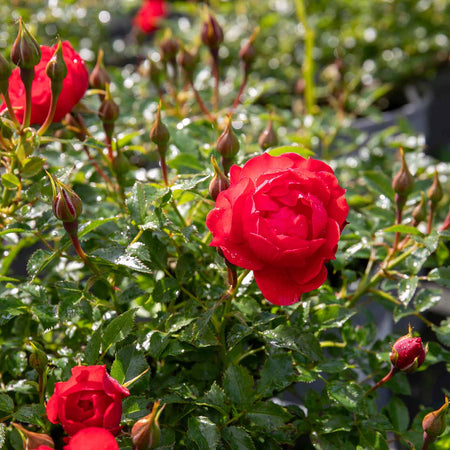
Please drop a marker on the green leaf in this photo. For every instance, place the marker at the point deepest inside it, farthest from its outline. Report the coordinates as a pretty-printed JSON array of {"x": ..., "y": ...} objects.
[
  {"x": 346, "y": 393},
  {"x": 277, "y": 373},
  {"x": 10, "y": 181},
  {"x": 398, "y": 413},
  {"x": 38, "y": 261},
  {"x": 203, "y": 432},
  {"x": 237, "y": 438},
  {"x": 268, "y": 416},
  {"x": 184, "y": 161},
  {"x": 443, "y": 332},
  {"x": 119, "y": 328},
  {"x": 215, "y": 398},
  {"x": 6, "y": 404},
  {"x": 380, "y": 183},
  {"x": 303, "y": 151},
  {"x": 238, "y": 385},
  {"x": 407, "y": 288},
  {"x": 441, "y": 275},
  {"x": 92, "y": 350},
  {"x": 32, "y": 166},
  {"x": 30, "y": 414},
  {"x": 129, "y": 363},
  {"x": 426, "y": 299},
  {"x": 403, "y": 229},
  {"x": 139, "y": 201},
  {"x": 87, "y": 227}
]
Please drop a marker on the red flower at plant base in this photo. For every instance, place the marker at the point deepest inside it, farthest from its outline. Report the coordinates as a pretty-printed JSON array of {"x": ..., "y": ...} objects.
[
  {"x": 408, "y": 353},
  {"x": 74, "y": 86},
  {"x": 281, "y": 217},
  {"x": 90, "y": 398},
  {"x": 92, "y": 438},
  {"x": 149, "y": 14}
]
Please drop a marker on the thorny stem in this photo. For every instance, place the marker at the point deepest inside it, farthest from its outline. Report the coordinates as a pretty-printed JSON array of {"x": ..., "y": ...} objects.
[
  {"x": 98, "y": 168},
  {"x": 162, "y": 162},
  {"x": 385, "y": 379},
  {"x": 201, "y": 103}
]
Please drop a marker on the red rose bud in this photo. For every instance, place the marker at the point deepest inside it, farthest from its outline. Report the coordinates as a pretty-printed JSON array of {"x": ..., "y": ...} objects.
[
  {"x": 169, "y": 47},
  {"x": 211, "y": 32},
  {"x": 56, "y": 70},
  {"x": 248, "y": 52},
  {"x": 420, "y": 211},
  {"x": 435, "y": 192},
  {"x": 34, "y": 440},
  {"x": 66, "y": 205},
  {"x": 219, "y": 181},
  {"x": 408, "y": 353},
  {"x": 75, "y": 123},
  {"x": 159, "y": 134},
  {"x": 434, "y": 424},
  {"x": 99, "y": 77},
  {"x": 145, "y": 432},
  {"x": 25, "y": 52},
  {"x": 268, "y": 138},
  {"x": 187, "y": 62},
  {"x": 38, "y": 359},
  {"x": 108, "y": 111},
  {"x": 228, "y": 143},
  {"x": 403, "y": 182}
]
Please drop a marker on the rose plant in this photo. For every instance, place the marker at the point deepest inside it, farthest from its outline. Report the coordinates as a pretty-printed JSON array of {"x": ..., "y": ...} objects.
[{"x": 179, "y": 307}]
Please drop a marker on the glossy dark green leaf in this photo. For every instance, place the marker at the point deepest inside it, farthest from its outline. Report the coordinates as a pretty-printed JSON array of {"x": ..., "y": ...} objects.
[
  {"x": 118, "y": 328},
  {"x": 237, "y": 438},
  {"x": 238, "y": 384},
  {"x": 203, "y": 432}
]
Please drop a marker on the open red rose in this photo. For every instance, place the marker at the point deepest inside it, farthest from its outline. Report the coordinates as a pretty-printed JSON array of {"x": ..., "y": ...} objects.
[
  {"x": 149, "y": 14},
  {"x": 90, "y": 398},
  {"x": 282, "y": 218},
  {"x": 74, "y": 86},
  {"x": 92, "y": 438}
]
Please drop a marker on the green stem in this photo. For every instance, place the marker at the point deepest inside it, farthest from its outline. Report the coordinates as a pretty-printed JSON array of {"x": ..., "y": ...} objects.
[
  {"x": 51, "y": 113},
  {"x": 27, "y": 76},
  {"x": 11, "y": 112},
  {"x": 385, "y": 379}
]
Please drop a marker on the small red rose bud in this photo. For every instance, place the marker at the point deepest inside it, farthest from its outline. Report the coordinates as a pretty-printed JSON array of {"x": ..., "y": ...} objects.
[
  {"x": 108, "y": 111},
  {"x": 34, "y": 440},
  {"x": 435, "y": 192},
  {"x": 228, "y": 143},
  {"x": 219, "y": 181},
  {"x": 145, "y": 432},
  {"x": 38, "y": 359},
  {"x": 211, "y": 32},
  {"x": 408, "y": 353},
  {"x": 75, "y": 123},
  {"x": 187, "y": 62},
  {"x": 66, "y": 205},
  {"x": 419, "y": 213},
  {"x": 169, "y": 47},
  {"x": 268, "y": 138},
  {"x": 25, "y": 52},
  {"x": 248, "y": 51},
  {"x": 56, "y": 70},
  {"x": 434, "y": 424},
  {"x": 403, "y": 182},
  {"x": 159, "y": 134},
  {"x": 99, "y": 77}
]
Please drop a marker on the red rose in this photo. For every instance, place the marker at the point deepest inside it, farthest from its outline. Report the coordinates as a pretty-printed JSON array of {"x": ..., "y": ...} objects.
[
  {"x": 90, "y": 398},
  {"x": 92, "y": 438},
  {"x": 149, "y": 14},
  {"x": 408, "y": 353},
  {"x": 282, "y": 218},
  {"x": 74, "y": 86}
]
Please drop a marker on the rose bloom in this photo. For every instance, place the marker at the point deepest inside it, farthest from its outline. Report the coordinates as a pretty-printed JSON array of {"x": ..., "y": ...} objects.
[
  {"x": 149, "y": 14},
  {"x": 408, "y": 353},
  {"x": 74, "y": 86},
  {"x": 282, "y": 218},
  {"x": 90, "y": 398},
  {"x": 92, "y": 438}
]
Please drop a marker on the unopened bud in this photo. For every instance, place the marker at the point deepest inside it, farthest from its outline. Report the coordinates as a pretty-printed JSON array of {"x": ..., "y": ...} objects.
[
  {"x": 403, "y": 182},
  {"x": 211, "y": 32},
  {"x": 38, "y": 359},
  {"x": 219, "y": 181},
  {"x": 99, "y": 77},
  {"x": 5, "y": 72},
  {"x": 75, "y": 123},
  {"x": 435, "y": 192},
  {"x": 108, "y": 111},
  {"x": 34, "y": 440},
  {"x": 25, "y": 52},
  {"x": 66, "y": 205},
  {"x": 56, "y": 70},
  {"x": 187, "y": 62},
  {"x": 434, "y": 424},
  {"x": 159, "y": 134},
  {"x": 408, "y": 353},
  {"x": 419, "y": 213},
  {"x": 169, "y": 47},
  {"x": 446, "y": 224},
  {"x": 228, "y": 143},
  {"x": 248, "y": 52},
  {"x": 268, "y": 138},
  {"x": 146, "y": 432}
]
